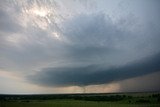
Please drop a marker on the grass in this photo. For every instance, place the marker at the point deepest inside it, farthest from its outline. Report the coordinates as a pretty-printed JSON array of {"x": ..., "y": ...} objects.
[
  {"x": 81, "y": 100},
  {"x": 72, "y": 103}
]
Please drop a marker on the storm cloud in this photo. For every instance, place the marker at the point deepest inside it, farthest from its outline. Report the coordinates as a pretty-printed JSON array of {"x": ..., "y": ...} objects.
[
  {"x": 79, "y": 43},
  {"x": 94, "y": 74}
]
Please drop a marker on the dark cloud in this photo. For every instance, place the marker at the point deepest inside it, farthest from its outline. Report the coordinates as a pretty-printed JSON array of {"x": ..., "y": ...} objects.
[
  {"x": 94, "y": 74},
  {"x": 95, "y": 38},
  {"x": 92, "y": 30}
]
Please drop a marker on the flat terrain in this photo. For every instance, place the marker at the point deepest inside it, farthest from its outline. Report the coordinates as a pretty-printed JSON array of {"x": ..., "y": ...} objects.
[{"x": 82, "y": 100}]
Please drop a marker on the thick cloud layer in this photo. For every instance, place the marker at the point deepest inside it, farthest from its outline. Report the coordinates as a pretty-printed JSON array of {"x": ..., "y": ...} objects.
[
  {"x": 94, "y": 74},
  {"x": 81, "y": 43}
]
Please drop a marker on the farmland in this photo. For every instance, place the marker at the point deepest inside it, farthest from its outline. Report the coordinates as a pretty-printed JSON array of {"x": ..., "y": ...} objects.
[{"x": 82, "y": 100}]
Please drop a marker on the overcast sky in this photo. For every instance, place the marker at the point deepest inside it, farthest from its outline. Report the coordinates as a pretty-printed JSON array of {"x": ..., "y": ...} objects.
[{"x": 74, "y": 46}]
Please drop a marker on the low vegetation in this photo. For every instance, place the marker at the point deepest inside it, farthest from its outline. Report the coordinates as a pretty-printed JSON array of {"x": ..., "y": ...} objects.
[{"x": 82, "y": 100}]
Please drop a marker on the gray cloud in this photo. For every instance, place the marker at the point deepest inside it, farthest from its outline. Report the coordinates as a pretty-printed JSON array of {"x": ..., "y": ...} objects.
[
  {"x": 79, "y": 42},
  {"x": 8, "y": 23},
  {"x": 94, "y": 74},
  {"x": 97, "y": 39}
]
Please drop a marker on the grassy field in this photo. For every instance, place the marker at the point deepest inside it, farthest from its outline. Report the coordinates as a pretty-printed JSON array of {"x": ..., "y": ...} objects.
[
  {"x": 73, "y": 103},
  {"x": 82, "y": 100}
]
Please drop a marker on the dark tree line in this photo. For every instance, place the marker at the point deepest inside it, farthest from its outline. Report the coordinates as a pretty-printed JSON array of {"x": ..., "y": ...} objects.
[{"x": 85, "y": 97}]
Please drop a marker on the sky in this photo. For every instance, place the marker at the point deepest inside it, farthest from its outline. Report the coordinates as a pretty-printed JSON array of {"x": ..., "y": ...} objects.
[{"x": 79, "y": 46}]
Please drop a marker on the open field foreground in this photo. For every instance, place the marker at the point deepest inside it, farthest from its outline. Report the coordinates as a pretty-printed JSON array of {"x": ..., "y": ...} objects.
[
  {"x": 82, "y": 100},
  {"x": 73, "y": 103}
]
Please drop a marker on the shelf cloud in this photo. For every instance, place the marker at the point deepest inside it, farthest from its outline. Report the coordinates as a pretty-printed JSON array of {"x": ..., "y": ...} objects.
[{"x": 94, "y": 74}]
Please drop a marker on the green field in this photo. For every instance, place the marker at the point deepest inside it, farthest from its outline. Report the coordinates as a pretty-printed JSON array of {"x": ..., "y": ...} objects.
[
  {"x": 73, "y": 103},
  {"x": 82, "y": 100}
]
